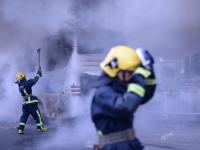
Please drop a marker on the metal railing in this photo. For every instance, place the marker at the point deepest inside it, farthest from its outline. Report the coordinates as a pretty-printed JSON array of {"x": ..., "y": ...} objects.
[{"x": 185, "y": 101}]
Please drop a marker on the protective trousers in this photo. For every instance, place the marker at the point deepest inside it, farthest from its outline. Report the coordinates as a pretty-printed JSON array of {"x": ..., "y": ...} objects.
[{"x": 33, "y": 110}]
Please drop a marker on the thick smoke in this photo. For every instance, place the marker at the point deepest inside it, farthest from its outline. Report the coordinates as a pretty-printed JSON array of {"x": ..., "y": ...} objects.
[
  {"x": 166, "y": 27},
  {"x": 24, "y": 26}
]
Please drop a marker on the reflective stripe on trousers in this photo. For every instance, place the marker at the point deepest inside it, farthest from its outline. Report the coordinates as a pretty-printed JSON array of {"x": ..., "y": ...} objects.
[{"x": 40, "y": 119}]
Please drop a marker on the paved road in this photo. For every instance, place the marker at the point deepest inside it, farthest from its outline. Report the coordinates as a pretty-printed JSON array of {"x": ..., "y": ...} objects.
[
  {"x": 32, "y": 139},
  {"x": 170, "y": 135},
  {"x": 10, "y": 140},
  {"x": 157, "y": 135}
]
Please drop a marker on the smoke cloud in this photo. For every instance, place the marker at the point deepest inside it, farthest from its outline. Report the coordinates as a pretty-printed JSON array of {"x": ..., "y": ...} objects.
[{"x": 166, "y": 27}]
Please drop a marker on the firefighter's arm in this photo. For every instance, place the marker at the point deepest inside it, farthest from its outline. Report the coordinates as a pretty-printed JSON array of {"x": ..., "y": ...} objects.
[
  {"x": 147, "y": 65},
  {"x": 150, "y": 81},
  {"x": 119, "y": 104},
  {"x": 150, "y": 88},
  {"x": 36, "y": 78}
]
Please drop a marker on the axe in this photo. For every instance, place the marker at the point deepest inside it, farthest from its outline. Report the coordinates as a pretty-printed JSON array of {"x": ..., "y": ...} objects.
[{"x": 38, "y": 51}]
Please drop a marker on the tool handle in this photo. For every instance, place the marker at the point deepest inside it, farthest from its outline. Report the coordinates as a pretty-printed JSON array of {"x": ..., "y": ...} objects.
[{"x": 38, "y": 51}]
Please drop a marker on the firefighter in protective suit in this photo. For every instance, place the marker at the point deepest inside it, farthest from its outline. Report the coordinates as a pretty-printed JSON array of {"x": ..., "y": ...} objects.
[
  {"x": 30, "y": 101},
  {"x": 127, "y": 84}
]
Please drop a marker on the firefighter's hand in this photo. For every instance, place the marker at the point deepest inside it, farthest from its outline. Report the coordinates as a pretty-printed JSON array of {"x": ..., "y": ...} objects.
[
  {"x": 39, "y": 72},
  {"x": 150, "y": 57},
  {"x": 146, "y": 58}
]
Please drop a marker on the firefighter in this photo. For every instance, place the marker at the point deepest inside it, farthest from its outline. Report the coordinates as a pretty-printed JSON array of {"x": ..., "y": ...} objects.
[
  {"x": 127, "y": 84},
  {"x": 30, "y": 101}
]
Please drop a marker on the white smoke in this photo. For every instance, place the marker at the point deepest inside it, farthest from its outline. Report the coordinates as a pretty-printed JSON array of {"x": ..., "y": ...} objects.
[
  {"x": 24, "y": 26},
  {"x": 41, "y": 16},
  {"x": 8, "y": 91},
  {"x": 164, "y": 26}
]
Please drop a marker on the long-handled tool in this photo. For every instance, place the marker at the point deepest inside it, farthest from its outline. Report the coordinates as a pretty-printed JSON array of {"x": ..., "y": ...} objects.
[{"x": 38, "y": 51}]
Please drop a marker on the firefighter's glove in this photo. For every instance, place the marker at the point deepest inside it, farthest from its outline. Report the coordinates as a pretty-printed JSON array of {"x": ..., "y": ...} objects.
[
  {"x": 39, "y": 72},
  {"x": 150, "y": 66},
  {"x": 146, "y": 58}
]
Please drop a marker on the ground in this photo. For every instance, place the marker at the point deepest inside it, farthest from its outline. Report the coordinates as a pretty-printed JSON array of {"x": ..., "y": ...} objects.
[
  {"x": 163, "y": 134},
  {"x": 170, "y": 135}
]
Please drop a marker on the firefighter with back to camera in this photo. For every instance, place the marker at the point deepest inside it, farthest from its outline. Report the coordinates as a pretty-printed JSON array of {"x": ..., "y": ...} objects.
[{"x": 30, "y": 102}]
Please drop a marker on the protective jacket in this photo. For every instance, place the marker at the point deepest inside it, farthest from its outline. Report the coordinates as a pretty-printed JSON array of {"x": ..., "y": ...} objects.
[
  {"x": 113, "y": 108},
  {"x": 25, "y": 88}
]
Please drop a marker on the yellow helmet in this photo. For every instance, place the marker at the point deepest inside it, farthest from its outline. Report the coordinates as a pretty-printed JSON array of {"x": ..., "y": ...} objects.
[
  {"x": 19, "y": 76},
  {"x": 120, "y": 58}
]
